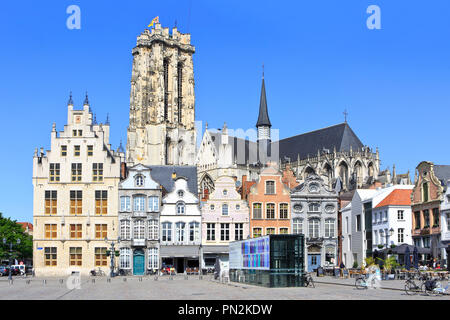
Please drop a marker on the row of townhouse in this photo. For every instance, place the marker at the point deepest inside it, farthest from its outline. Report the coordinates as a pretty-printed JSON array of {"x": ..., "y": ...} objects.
[
  {"x": 374, "y": 220},
  {"x": 85, "y": 199}
]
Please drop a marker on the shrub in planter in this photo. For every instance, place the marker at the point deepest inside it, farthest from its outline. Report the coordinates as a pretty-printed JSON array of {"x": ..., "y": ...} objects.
[{"x": 355, "y": 265}]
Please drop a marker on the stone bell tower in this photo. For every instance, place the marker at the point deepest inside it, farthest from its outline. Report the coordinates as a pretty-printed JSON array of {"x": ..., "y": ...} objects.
[{"x": 161, "y": 130}]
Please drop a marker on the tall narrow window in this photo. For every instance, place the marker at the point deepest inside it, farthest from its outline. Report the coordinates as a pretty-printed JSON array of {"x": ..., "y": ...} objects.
[
  {"x": 270, "y": 211},
  {"x": 401, "y": 235},
  {"x": 97, "y": 171},
  {"x": 125, "y": 203},
  {"x": 50, "y": 202},
  {"x": 257, "y": 212},
  {"x": 63, "y": 151},
  {"x": 329, "y": 228},
  {"x": 139, "y": 203},
  {"x": 314, "y": 228},
  {"x": 426, "y": 218},
  {"x": 100, "y": 257},
  {"x": 139, "y": 229},
  {"x": 76, "y": 172},
  {"x": 425, "y": 192},
  {"x": 50, "y": 256},
  {"x": 153, "y": 204},
  {"x": 224, "y": 231},
  {"x": 153, "y": 258},
  {"x": 270, "y": 187},
  {"x": 417, "y": 219},
  {"x": 125, "y": 258},
  {"x": 166, "y": 89},
  {"x": 76, "y": 202},
  {"x": 297, "y": 226},
  {"x": 167, "y": 231},
  {"x": 90, "y": 151},
  {"x": 101, "y": 202},
  {"x": 54, "y": 171},
  {"x": 284, "y": 211},
  {"x": 153, "y": 229},
  {"x": 180, "y": 91},
  {"x": 180, "y": 229},
  {"x": 194, "y": 231},
  {"x": 238, "y": 231},
  {"x": 125, "y": 229},
  {"x": 210, "y": 231},
  {"x": 76, "y": 151},
  {"x": 435, "y": 217},
  {"x": 224, "y": 209}
]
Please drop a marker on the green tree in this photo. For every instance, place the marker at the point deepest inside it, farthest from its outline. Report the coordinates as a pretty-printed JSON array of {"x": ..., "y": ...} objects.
[{"x": 11, "y": 231}]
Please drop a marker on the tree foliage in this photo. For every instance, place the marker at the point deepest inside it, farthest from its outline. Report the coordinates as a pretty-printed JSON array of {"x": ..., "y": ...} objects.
[{"x": 12, "y": 231}]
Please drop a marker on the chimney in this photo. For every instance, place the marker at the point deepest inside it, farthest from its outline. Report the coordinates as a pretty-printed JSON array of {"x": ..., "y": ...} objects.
[
  {"x": 123, "y": 170},
  {"x": 244, "y": 180}
]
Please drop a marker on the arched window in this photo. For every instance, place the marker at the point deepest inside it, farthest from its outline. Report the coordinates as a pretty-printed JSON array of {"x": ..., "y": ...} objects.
[
  {"x": 139, "y": 181},
  {"x": 181, "y": 208},
  {"x": 139, "y": 229},
  {"x": 343, "y": 173}
]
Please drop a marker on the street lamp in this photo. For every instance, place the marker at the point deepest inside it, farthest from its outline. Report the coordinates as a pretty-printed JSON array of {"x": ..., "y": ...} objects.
[
  {"x": 391, "y": 232},
  {"x": 112, "y": 254},
  {"x": 10, "y": 254}
]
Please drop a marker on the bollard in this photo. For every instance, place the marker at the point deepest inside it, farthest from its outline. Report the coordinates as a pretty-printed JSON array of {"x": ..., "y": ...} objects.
[
  {"x": 170, "y": 277},
  {"x": 124, "y": 279},
  {"x": 186, "y": 277},
  {"x": 28, "y": 281},
  {"x": 93, "y": 280},
  {"x": 108, "y": 280},
  {"x": 200, "y": 277},
  {"x": 140, "y": 279},
  {"x": 44, "y": 281},
  {"x": 155, "y": 278},
  {"x": 10, "y": 282},
  {"x": 61, "y": 281}
]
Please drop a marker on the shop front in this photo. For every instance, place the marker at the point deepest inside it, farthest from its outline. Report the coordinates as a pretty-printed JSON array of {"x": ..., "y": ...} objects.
[{"x": 182, "y": 258}]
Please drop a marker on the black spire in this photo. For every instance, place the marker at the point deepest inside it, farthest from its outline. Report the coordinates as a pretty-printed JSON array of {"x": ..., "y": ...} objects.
[
  {"x": 263, "y": 118},
  {"x": 70, "y": 102},
  {"x": 86, "y": 101}
]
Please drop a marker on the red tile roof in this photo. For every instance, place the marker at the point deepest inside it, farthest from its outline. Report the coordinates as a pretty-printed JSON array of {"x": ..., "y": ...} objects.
[
  {"x": 25, "y": 225},
  {"x": 398, "y": 197}
]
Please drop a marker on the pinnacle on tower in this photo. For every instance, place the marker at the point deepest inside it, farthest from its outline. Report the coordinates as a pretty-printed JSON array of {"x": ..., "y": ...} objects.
[
  {"x": 70, "y": 102},
  {"x": 107, "y": 119},
  {"x": 86, "y": 100}
]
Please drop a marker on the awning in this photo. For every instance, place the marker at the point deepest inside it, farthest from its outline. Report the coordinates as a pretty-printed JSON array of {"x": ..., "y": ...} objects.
[
  {"x": 179, "y": 251},
  {"x": 215, "y": 249},
  {"x": 444, "y": 244}
]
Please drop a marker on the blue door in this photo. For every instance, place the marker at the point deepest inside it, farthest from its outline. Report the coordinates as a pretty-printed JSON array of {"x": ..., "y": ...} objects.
[
  {"x": 313, "y": 262},
  {"x": 138, "y": 262}
]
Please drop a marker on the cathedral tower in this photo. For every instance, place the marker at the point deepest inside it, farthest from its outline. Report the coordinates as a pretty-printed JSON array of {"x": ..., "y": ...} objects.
[{"x": 161, "y": 129}]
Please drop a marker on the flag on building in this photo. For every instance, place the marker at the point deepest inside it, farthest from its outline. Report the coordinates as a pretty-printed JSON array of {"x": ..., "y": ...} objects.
[{"x": 156, "y": 19}]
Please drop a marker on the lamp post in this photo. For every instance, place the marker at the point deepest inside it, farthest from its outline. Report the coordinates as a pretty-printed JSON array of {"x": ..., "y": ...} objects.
[
  {"x": 10, "y": 254},
  {"x": 391, "y": 232},
  {"x": 112, "y": 255}
]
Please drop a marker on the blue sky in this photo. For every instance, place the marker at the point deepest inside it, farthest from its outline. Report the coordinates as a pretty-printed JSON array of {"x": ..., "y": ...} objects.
[{"x": 319, "y": 57}]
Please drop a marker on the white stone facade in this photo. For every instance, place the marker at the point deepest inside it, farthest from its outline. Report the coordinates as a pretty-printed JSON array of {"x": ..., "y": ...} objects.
[{"x": 75, "y": 187}]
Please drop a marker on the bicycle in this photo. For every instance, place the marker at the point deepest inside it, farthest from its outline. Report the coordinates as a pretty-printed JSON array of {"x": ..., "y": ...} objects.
[
  {"x": 411, "y": 288},
  {"x": 361, "y": 282},
  {"x": 434, "y": 287},
  {"x": 98, "y": 272},
  {"x": 308, "y": 280}
]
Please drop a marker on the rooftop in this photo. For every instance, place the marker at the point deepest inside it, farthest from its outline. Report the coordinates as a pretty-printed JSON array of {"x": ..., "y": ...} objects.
[{"x": 398, "y": 197}]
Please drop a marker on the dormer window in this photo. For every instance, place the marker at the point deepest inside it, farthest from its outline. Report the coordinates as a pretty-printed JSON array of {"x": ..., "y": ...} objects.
[{"x": 139, "y": 181}]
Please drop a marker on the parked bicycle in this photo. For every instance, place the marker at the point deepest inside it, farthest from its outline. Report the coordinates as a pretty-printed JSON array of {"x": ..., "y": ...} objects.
[
  {"x": 434, "y": 287},
  {"x": 412, "y": 287},
  {"x": 98, "y": 272}
]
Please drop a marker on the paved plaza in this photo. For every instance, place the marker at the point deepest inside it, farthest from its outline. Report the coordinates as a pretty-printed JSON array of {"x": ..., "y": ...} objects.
[{"x": 147, "y": 288}]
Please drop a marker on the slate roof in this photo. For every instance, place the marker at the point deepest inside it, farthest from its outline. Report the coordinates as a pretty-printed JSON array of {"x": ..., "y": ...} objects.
[
  {"x": 163, "y": 175},
  {"x": 442, "y": 172},
  {"x": 339, "y": 136},
  {"x": 263, "y": 117}
]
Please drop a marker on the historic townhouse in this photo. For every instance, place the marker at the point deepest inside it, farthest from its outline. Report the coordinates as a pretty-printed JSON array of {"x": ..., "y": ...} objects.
[
  {"x": 429, "y": 188},
  {"x": 140, "y": 198},
  {"x": 225, "y": 218},
  {"x": 75, "y": 197},
  {"x": 445, "y": 225},
  {"x": 391, "y": 220},
  {"x": 180, "y": 220},
  {"x": 314, "y": 214},
  {"x": 269, "y": 202}
]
